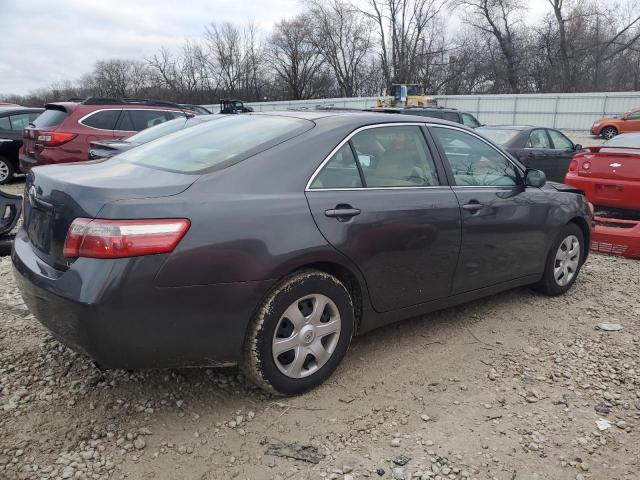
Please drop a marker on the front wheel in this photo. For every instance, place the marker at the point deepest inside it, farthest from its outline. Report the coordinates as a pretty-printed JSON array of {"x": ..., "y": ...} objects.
[
  {"x": 300, "y": 334},
  {"x": 6, "y": 170},
  {"x": 563, "y": 262},
  {"x": 609, "y": 132}
]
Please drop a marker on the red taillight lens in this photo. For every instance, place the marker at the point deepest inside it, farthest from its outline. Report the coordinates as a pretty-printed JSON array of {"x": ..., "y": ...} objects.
[
  {"x": 123, "y": 238},
  {"x": 573, "y": 166},
  {"x": 54, "y": 139}
]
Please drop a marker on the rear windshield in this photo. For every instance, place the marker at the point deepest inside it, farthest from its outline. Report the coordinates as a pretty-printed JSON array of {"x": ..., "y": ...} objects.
[
  {"x": 158, "y": 131},
  {"x": 501, "y": 136},
  {"x": 50, "y": 118},
  {"x": 216, "y": 144}
]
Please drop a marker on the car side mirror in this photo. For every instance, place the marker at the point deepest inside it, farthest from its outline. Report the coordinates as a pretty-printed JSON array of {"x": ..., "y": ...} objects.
[
  {"x": 577, "y": 147},
  {"x": 534, "y": 178},
  {"x": 624, "y": 119}
]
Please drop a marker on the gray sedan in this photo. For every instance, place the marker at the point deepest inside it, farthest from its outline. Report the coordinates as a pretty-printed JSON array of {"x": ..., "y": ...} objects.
[{"x": 269, "y": 240}]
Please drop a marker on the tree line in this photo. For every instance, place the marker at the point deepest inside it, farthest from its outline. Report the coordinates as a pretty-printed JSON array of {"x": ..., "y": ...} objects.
[{"x": 342, "y": 48}]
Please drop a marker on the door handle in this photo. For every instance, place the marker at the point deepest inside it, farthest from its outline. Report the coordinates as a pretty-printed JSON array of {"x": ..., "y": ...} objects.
[
  {"x": 473, "y": 206},
  {"x": 342, "y": 212}
]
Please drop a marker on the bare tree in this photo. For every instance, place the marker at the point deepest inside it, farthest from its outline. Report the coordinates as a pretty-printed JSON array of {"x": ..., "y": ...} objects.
[
  {"x": 343, "y": 36},
  {"x": 294, "y": 57}
]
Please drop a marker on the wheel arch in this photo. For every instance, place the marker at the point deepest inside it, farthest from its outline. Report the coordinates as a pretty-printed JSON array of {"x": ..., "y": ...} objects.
[{"x": 586, "y": 234}]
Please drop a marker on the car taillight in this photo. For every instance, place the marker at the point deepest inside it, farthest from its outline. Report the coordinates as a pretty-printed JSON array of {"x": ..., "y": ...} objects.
[
  {"x": 54, "y": 139},
  {"x": 100, "y": 238},
  {"x": 586, "y": 165},
  {"x": 573, "y": 166}
]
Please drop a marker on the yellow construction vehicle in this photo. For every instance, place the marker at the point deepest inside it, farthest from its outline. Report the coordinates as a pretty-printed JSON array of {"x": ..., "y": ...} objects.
[{"x": 407, "y": 95}]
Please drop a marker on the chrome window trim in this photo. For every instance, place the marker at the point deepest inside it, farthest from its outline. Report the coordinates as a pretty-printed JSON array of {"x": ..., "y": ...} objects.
[
  {"x": 80, "y": 120},
  {"x": 346, "y": 139}
]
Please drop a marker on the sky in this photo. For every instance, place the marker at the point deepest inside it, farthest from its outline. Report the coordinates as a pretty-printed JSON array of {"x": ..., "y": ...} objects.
[{"x": 45, "y": 42}]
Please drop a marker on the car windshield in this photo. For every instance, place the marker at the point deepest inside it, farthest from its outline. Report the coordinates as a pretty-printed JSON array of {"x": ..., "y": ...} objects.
[
  {"x": 158, "y": 131},
  {"x": 216, "y": 144},
  {"x": 501, "y": 136}
]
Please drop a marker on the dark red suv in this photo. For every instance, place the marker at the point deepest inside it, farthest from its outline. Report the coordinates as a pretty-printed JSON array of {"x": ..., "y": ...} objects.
[{"x": 63, "y": 132}]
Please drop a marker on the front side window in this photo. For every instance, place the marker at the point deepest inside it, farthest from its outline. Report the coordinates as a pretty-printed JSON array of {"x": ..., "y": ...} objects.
[
  {"x": 470, "y": 121},
  {"x": 339, "y": 172},
  {"x": 634, "y": 116},
  {"x": 5, "y": 124},
  {"x": 560, "y": 142},
  {"x": 538, "y": 139},
  {"x": 475, "y": 162},
  {"x": 104, "y": 120},
  {"x": 395, "y": 157}
]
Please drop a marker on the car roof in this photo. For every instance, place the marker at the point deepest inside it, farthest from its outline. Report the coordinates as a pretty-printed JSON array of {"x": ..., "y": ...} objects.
[
  {"x": 12, "y": 109},
  {"x": 356, "y": 119}
]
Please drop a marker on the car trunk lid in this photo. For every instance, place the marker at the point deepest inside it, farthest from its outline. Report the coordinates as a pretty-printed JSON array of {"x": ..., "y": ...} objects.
[
  {"x": 619, "y": 163},
  {"x": 56, "y": 195}
]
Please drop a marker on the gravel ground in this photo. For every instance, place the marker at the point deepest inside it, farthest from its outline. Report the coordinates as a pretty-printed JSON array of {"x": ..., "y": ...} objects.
[{"x": 509, "y": 387}]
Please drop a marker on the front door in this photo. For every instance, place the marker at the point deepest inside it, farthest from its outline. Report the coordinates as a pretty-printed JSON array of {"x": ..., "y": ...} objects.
[
  {"x": 562, "y": 153},
  {"x": 391, "y": 212},
  {"x": 503, "y": 222}
]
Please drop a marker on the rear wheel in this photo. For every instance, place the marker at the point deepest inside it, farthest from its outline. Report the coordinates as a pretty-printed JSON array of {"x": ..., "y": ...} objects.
[
  {"x": 563, "y": 262},
  {"x": 609, "y": 132},
  {"x": 6, "y": 170},
  {"x": 300, "y": 333}
]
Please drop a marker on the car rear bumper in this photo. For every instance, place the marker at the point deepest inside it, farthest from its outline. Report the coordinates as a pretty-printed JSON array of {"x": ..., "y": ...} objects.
[
  {"x": 110, "y": 311},
  {"x": 616, "y": 237}
]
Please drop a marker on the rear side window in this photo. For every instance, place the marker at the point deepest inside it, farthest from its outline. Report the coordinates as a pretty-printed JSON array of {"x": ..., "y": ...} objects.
[
  {"x": 216, "y": 144},
  {"x": 50, "y": 118},
  {"x": 104, "y": 120},
  {"x": 339, "y": 172},
  {"x": 138, "y": 120},
  {"x": 395, "y": 157},
  {"x": 158, "y": 131},
  {"x": 538, "y": 139}
]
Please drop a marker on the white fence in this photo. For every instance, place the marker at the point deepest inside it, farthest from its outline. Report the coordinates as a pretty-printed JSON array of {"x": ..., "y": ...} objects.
[{"x": 567, "y": 111}]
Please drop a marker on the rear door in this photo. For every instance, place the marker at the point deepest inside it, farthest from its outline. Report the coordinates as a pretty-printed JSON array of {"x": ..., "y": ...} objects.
[
  {"x": 504, "y": 234},
  {"x": 383, "y": 201},
  {"x": 561, "y": 154}
]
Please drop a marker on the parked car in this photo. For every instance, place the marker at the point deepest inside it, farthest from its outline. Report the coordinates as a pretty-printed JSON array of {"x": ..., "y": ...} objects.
[
  {"x": 63, "y": 132},
  {"x": 610, "y": 127},
  {"x": 199, "y": 109},
  {"x": 610, "y": 173},
  {"x": 12, "y": 121},
  {"x": 546, "y": 149},
  {"x": 108, "y": 148},
  {"x": 451, "y": 114},
  {"x": 610, "y": 177},
  {"x": 270, "y": 240}
]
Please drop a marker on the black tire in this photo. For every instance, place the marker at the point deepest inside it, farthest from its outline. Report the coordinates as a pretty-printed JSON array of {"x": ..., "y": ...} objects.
[
  {"x": 258, "y": 362},
  {"x": 609, "y": 132},
  {"x": 7, "y": 170},
  {"x": 548, "y": 285}
]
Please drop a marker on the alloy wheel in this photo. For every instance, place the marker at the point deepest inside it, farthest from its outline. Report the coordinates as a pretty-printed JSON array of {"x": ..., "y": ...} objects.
[
  {"x": 306, "y": 336},
  {"x": 567, "y": 260}
]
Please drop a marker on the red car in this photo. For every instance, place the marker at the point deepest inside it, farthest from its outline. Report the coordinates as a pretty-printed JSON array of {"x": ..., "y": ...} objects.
[
  {"x": 63, "y": 132},
  {"x": 609, "y": 175}
]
